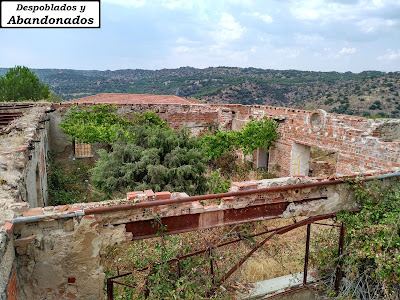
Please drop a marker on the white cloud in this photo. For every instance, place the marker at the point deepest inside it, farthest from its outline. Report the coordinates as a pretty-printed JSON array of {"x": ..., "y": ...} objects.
[
  {"x": 264, "y": 17},
  {"x": 182, "y": 40},
  {"x": 309, "y": 39},
  {"x": 311, "y": 10},
  {"x": 390, "y": 55},
  {"x": 228, "y": 29},
  {"x": 128, "y": 3},
  {"x": 178, "y": 4},
  {"x": 345, "y": 51},
  {"x": 288, "y": 52},
  {"x": 372, "y": 24},
  {"x": 326, "y": 11},
  {"x": 182, "y": 49}
]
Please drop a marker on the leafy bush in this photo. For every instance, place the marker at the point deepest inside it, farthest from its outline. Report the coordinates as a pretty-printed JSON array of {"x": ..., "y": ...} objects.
[
  {"x": 329, "y": 101},
  {"x": 376, "y": 105},
  {"x": 371, "y": 261},
  {"x": 217, "y": 183},
  {"x": 216, "y": 144},
  {"x": 99, "y": 123}
]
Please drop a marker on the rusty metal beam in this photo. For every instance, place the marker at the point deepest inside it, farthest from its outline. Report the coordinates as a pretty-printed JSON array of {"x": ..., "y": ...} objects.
[
  {"x": 208, "y": 219},
  {"x": 306, "y": 255}
]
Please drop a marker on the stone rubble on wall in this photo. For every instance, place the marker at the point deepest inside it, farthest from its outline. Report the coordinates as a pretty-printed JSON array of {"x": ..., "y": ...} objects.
[{"x": 16, "y": 161}]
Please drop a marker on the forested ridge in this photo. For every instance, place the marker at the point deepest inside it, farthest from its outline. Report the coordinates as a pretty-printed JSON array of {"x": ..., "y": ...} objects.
[{"x": 366, "y": 93}]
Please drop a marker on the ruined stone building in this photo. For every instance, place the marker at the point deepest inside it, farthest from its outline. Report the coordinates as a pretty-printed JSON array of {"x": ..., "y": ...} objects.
[{"x": 49, "y": 252}]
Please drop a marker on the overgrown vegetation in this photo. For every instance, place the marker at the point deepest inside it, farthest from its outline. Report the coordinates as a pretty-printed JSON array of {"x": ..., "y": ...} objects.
[
  {"x": 282, "y": 256},
  {"x": 371, "y": 259},
  {"x": 144, "y": 153},
  {"x": 68, "y": 182},
  {"x": 101, "y": 123}
]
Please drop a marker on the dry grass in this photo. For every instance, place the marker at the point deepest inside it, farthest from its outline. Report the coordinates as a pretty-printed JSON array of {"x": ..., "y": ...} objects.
[{"x": 282, "y": 255}]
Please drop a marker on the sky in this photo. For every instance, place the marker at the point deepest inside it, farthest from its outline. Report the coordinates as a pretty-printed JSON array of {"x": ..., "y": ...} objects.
[{"x": 314, "y": 35}]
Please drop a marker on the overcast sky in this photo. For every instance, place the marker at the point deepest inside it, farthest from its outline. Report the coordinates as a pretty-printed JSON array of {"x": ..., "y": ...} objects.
[{"x": 318, "y": 35}]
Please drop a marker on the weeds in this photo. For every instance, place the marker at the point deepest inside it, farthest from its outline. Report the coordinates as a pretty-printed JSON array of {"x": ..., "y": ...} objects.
[{"x": 68, "y": 182}]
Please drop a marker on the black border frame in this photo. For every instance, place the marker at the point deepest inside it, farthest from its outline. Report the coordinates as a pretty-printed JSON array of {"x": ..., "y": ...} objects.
[{"x": 83, "y": 27}]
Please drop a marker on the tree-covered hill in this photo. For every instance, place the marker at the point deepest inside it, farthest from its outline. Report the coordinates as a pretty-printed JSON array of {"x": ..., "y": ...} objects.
[{"x": 369, "y": 92}]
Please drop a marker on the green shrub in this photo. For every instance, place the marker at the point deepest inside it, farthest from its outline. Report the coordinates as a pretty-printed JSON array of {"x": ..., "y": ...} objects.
[
  {"x": 156, "y": 158},
  {"x": 217, "y": 183},
  {"x": 371, "y": 263}
]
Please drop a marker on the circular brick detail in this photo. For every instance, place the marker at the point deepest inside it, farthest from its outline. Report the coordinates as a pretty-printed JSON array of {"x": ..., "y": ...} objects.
[{"x": 317, "y": 120}]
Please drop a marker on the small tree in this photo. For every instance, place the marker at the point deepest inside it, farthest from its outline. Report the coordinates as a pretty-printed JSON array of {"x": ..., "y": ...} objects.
[{"x": 21, "y": 84}]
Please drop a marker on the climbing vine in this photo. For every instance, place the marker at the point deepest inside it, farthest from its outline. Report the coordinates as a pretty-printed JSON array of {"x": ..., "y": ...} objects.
[
  {"x": 255, "y": 134},
  {"x": 102, "y": 123}
]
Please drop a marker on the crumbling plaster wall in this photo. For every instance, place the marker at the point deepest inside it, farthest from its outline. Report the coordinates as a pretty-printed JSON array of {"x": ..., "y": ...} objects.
[
  {"x": 24, "y": 146},
  {"x": 7, "y": 258},
  {"x": 60, "y": 257}
]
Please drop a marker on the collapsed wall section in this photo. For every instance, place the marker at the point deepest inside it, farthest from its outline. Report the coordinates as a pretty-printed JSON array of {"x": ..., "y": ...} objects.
[{"x": 361, "y": 144}]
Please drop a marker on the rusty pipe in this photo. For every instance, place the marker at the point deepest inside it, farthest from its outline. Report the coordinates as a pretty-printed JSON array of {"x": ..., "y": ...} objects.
[{"x": 105, "y": 209}]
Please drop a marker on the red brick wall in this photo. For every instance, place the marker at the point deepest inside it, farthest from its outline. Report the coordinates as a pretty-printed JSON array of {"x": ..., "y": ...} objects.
[
  {"x": 12, "y": 289},
  {"x": 355, "y": 139}
]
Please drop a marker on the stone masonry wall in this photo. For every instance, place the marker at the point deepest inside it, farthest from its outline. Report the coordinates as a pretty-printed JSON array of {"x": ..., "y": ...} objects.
[{"x": 23, "y": 182}]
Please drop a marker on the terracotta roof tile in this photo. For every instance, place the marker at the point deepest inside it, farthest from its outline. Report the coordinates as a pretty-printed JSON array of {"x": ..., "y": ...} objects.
[{"x": 113, "y": 98}]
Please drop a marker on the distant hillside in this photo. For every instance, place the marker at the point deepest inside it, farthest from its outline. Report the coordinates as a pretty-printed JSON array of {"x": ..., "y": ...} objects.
[{"x": 366, "y": 93}]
